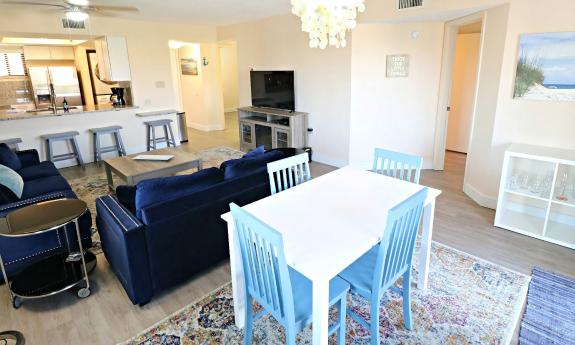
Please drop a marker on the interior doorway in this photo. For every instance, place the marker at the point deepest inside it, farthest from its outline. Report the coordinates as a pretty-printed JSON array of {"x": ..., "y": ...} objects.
[{"x": 458, "y": 90}]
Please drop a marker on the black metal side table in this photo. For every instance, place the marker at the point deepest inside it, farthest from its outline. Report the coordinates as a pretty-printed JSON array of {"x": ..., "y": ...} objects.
[{"x": 56, "y": 273}]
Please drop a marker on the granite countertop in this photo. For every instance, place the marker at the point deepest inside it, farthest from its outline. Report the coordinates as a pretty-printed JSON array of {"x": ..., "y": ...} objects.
[{"x": 7, "y": 115}]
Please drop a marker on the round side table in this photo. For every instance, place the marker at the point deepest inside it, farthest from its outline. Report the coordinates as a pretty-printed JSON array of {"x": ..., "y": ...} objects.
[{"x": 58, "y": 272}]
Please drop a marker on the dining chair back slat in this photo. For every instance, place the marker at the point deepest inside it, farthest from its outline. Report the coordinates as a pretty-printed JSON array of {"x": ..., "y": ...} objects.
[
  {"x": 289, "y": 172},
  {"x": 397, "y": 165}
]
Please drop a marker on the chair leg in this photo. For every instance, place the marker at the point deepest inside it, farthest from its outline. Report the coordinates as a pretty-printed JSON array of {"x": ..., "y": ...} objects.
[
  {"x": 77, "y": 152},
  {"x": 374, "y": 321},
  {"x": 342, "y": 313},
  {"x": 291, "y": 334},
  {"x": 49, "y": 150},
  {"x": 166, "y": 135},
  {"x": 153, "y": 137},
  {"x": 98, "y": 157},
  {"x": 407, "y": 300},
  {"x": 248, "y": 329},
  {"x": 172, "y": 135},
  {"x": 120, "y": 143},
  {"x": 147, "y": 138}
]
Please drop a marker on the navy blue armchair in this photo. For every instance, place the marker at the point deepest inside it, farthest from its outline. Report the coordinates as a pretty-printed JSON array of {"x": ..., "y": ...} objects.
[
  {"x": 164, "y": 231},
  {"x": 42, "y": 182}
]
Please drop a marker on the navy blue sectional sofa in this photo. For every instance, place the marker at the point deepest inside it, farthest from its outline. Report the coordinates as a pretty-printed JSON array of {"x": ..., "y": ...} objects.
[
  {"x": 163, "y": 231},
  {"x": 42, "y": 182}
]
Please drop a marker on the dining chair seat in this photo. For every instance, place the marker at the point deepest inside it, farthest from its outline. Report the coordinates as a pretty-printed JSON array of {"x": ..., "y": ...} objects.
[
  {"x": 360, "y": 274},
  {"x": 302, "y": 288}
]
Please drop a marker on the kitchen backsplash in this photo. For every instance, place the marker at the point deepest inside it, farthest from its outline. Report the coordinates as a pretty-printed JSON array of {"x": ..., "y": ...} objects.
[{"x": 15, "y": 91}]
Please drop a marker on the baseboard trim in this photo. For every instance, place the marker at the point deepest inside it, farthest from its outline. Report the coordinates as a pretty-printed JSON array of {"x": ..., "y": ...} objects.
[
  {"x": 480, "y": 198},
  {"x": 230, "y": 110},
  {"x": 207, "y": 128}
]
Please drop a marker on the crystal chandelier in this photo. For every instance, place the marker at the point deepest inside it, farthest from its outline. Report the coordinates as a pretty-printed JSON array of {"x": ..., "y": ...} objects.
[{"x": 326, "y": 21}]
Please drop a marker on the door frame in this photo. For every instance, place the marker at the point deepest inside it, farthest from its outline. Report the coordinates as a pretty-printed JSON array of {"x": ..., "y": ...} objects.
[{"x": 446, "y": 79}]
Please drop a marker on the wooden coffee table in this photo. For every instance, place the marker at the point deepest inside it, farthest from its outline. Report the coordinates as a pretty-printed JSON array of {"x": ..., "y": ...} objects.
[{"x": 133, "y": 171}]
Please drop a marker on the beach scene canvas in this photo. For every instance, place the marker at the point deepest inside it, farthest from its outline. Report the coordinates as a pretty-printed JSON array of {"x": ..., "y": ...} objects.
[{"x": 546, "y": 67}]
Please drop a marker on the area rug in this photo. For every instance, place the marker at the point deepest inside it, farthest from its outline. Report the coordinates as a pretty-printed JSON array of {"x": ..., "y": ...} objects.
[
  {"x": 550, "y": 312},
  {"x": 91, "y": 187},
  {"x": 469, "y": 301}
]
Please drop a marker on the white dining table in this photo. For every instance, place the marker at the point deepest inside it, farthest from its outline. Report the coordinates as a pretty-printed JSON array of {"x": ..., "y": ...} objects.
[{"x": 326, "y": 224}]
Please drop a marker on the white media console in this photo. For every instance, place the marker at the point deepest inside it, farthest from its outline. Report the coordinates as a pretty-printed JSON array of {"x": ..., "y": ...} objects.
[{"x": 273, "y": 128}]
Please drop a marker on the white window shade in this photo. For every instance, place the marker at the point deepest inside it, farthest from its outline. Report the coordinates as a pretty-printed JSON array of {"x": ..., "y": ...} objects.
[{"x": 12, "y": 64}]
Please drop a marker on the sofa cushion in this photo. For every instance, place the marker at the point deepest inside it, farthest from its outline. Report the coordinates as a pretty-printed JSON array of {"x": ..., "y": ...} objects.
[
  {"x": 247, "y": 166},
  {"x": 43, "y": 169},
  {"x": 44, "y": 185},
  {"x": 7, "y": 196},
  {"x": 260, "y": 150},
  {"x": 9, "y": 158},
  {"x": 11, "y": 180},
  {"x": 157, "y": 190},
  {"x": 126, "y": 195}
]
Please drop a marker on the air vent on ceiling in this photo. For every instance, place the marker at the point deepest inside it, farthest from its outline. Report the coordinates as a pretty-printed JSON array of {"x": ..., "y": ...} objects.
[
  {"x": 71, "y": 24},
  {"x": 405, "y": 4}
]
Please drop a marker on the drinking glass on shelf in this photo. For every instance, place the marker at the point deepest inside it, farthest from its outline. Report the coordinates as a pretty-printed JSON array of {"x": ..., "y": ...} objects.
[
  {"x": 524, "y": 180},
  {"x": 513, "y": 181},
  {"x": 547, "y": 183},
  {"x": 536, "y": 184},
  {"x": 562, "y": 188}
]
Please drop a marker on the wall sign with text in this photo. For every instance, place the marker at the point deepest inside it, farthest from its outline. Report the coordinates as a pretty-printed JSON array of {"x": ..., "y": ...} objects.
[{"x": 397, "y": 66}]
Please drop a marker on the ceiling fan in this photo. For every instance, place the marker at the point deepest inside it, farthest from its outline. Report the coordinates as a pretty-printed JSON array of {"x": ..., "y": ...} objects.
[{"x": 75, "y": 10}]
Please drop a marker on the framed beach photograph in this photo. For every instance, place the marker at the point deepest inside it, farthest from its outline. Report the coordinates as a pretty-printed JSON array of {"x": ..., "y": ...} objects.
[
  {"x": 189, "y": 66},
  {"x": 546, "y": 67}
]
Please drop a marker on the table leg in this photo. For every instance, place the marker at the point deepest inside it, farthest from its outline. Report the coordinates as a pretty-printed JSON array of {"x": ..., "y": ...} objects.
[
  {"x": 425, "y": 250},
  {"x": 81, "y": 248},
  {"x": 109, "y": 176},
  {"x": 238, "y": 284},
  {"x": 6, "y": 281},
  {"x": 320, "y": 302}
]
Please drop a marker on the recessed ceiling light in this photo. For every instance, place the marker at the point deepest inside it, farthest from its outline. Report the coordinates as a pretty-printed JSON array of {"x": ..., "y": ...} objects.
[{"x": 76, "y": 15}]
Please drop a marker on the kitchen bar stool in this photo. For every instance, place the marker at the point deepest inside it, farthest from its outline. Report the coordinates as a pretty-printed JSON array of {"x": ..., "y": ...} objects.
[
  {"x": 114, "y": 131},
  {"x": 151, "y": 139},
  {"x": 12, "y": 143},
  {"x": 66, "y": 137}
]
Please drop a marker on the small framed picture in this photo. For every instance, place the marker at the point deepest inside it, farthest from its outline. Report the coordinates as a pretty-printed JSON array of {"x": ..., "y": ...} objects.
[
  {"x": 397, "y": 66},
  {"x": 189, "y": 66}
]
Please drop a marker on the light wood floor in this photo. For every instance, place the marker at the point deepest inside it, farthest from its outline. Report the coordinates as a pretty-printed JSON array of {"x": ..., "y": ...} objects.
[{"x": 108, "y": 316}]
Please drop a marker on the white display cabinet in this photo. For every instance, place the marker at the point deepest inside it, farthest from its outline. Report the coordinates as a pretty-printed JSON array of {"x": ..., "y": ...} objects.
[{"x": 537, "y": 193}]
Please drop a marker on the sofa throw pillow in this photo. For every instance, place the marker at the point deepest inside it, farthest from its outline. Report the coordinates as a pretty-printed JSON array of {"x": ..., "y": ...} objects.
[
  {"x": 11, "y": 180},
  {"x": 9, "y": 158},
  {"x": 247, "y": 166},
  {"x": 260, "y": 150},
  {"x": 158, "y": 190}
]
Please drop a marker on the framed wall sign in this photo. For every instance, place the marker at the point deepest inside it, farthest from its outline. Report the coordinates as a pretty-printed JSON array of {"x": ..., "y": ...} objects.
[{"x": 397, "y": 66}]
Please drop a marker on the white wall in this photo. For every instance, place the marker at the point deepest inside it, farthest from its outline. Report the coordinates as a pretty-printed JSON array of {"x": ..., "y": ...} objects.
[
  {"x": 463, "y": 89},
  {"x": 229, "y": 70},
  {"x": 508, "y": 120},
  {"x": 322, "y": 78},
  {"x": 394, "y": 113}
]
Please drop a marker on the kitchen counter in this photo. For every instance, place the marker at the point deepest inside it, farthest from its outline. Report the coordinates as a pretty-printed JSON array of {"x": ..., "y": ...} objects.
[{"x": 6, "y": 115}]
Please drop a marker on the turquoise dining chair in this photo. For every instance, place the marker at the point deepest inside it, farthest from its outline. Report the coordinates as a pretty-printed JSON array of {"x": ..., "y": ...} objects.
[
  {"x": 280, "y": 290},
  {"x": 289, "y": 172},
  {"x": 396, "y": 164},
  {"x": 375, "y": 272}
]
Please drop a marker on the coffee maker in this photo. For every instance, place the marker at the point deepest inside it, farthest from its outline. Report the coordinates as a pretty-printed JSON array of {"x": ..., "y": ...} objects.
[{"x": 117, "y": 97}]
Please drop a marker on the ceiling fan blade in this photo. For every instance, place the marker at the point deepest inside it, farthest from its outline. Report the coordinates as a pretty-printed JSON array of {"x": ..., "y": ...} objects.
[
  {"x": 103, "y": 8},
  {"x": 31, "y": 4}
]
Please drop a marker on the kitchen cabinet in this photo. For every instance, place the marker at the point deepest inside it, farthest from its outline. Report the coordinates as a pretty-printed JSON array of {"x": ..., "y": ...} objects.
[
  {"x": 48, "y": 53},
  {"x": 113, "y": 61}
]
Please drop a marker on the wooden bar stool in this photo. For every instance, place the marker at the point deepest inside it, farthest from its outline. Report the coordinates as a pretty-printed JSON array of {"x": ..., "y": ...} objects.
[
  {"x": 66, "y": 137},
  {"x": 12, "y": 143},
  {"x": 151, "y": 139},
  {"x": 114, "y": 131}
]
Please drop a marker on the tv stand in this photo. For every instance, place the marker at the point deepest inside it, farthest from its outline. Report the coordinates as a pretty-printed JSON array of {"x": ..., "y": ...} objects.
[{"x": 273, "y": 128}]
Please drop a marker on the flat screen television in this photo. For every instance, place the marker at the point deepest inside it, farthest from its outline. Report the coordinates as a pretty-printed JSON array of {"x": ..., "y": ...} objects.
[{"x": 273, "y": 89}]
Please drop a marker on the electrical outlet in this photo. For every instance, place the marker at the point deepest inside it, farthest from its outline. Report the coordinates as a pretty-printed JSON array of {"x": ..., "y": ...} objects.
[
  {"x": 160, "y": 84},
  {"x": 148, "y": 101}
]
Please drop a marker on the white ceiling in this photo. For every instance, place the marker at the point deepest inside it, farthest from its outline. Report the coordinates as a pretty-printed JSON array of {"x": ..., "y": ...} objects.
[{"x": 210, "y": 12}]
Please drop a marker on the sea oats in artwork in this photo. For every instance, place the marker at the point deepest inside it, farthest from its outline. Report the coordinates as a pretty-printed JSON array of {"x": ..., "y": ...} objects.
[{"x": 546, "y": 67}]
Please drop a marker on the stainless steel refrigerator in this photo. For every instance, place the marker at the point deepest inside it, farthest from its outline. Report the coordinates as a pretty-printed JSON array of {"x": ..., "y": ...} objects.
[{"x": 64, "y": 80}]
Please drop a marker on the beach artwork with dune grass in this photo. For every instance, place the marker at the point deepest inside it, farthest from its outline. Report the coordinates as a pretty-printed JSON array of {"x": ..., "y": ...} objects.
[{"x": 546, "y": 67}]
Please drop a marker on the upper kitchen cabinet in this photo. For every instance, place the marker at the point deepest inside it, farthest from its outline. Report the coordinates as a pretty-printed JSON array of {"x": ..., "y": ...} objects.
[
  {"x": 113, "y": 62},
  {"x": 48, "y": 53}
]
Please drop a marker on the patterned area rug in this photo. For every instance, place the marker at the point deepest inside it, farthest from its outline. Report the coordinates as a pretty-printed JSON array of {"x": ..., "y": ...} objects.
[
  {"x": 469, "y": 301},
  {"x": 91, "y": 187},
  {"x": 550, "y": 313}
]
